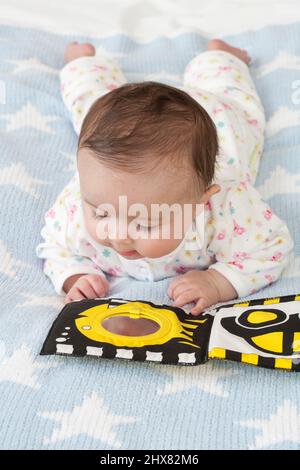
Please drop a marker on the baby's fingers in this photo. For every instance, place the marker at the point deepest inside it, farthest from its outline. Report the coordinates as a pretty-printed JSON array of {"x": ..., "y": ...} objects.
[
  {"x": 199, "y": 307},
  {"x": 84, "y": 286},
  {"x": 74, "y": 294},
  {"x": 173, "y": 285},
  {"x": 99, "y": 284},
  {"x": 184, "y": 298}
]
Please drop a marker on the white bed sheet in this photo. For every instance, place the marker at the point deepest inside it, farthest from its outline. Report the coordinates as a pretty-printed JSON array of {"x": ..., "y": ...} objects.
[{"x": 146, "y": 19}]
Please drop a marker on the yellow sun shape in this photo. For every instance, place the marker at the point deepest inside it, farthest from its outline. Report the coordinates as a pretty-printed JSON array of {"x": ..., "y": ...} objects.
[{"x": 169, "y": 325}]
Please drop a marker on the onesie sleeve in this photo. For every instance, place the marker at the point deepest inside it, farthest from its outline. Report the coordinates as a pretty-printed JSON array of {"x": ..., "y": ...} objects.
[
  {"x": 64, "y": 249},
  {"x": 250, "y": 243}
]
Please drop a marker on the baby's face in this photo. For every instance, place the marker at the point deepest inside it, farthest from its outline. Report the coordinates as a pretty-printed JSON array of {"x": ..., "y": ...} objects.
[{"x": 113, "y": 219}]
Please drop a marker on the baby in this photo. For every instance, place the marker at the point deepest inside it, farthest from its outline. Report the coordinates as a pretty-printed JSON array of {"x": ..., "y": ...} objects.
[{"x": 154, "y": 145}]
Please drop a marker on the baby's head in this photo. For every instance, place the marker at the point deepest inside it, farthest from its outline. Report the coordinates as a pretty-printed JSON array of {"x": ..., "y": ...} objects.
[{"x": 152, "y": 144}]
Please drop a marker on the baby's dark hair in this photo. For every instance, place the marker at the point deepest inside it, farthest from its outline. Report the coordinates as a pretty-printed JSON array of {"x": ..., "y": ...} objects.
[{"x": 141, "y": 123}]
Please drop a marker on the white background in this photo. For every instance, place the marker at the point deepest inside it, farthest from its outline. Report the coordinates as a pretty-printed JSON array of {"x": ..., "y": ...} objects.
[{"x": 145, "y": 19}]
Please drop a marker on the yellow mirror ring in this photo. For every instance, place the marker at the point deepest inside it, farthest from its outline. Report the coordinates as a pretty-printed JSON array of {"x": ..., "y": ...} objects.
[{"x": 90, "y": 324}]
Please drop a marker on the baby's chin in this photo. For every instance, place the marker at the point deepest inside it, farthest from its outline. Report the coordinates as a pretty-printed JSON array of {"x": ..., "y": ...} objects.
[{"x": 152, "y": 252}]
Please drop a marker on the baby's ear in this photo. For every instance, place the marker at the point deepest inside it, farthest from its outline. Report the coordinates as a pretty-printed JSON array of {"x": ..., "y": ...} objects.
[{"x": 210, "y": 191}]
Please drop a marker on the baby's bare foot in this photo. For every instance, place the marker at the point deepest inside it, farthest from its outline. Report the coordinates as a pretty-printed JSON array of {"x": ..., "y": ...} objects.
[
  {"x": 74, "y": 50},
  {"x": 218, "y": 44}
]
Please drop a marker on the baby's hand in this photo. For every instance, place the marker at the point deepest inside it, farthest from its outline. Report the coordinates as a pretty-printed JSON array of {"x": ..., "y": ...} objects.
[
  {"x": 88, "y": 286},
  {"x": 206, "y": 288}
]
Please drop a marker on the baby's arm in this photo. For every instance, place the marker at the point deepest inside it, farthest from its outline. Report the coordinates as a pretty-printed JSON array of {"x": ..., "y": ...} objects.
[
  {"x": 250, "y": 245},
  {"x": 64, "y": 249}
]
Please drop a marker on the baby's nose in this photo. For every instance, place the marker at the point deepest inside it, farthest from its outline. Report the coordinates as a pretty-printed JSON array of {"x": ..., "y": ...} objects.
[{"x": 121, "y": 239}]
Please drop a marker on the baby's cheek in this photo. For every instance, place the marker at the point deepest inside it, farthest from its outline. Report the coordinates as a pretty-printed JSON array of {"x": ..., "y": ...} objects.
[{"x": 94, "y": 230}]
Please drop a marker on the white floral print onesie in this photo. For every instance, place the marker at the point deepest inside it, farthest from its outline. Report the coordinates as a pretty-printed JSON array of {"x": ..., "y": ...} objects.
[{"x": 242, "y": 238}]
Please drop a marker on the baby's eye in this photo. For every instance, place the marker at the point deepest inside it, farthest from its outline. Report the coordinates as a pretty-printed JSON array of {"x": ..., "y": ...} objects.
[
  {"x": 100, "y": 215},
  {"x": 145, "y": 227}
]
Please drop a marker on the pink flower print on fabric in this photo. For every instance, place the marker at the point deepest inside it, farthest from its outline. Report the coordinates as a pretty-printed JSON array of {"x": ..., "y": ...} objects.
[
  {"x": 50, "y": 213},
  {"x": 268, "y": 214},
  {"x": 237, "y": 264},
  {"x": 207, "y": 206},
  {"x": 269, "y": 278},
  {"x": 111, "y": 86},
  {"x": 221, "y": 235},
  {"x": 115, "y": 271},
  {"x": 226, "y": 106},
  {"x": 244, "y": 184},
  {"x": 277, "y": 256},
  {"x": 238, "y": 230},
  {"x": 180, "y": 269},
  {"x": 253, "y": 122},
  {"x": 241, "y": 255},
  {"x": 217, "y": 110},
  {"x": 72, "y": 211},
  {"x": 96, "y": 68},
  {"x": 222, "y": 69}
]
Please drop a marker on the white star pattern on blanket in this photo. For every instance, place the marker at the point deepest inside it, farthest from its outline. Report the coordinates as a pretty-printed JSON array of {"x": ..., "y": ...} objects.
[
  {"x": 92, "y": 417},
  {"x": 283, "y": 60},
  {"x": 283, "y": 425},
  {"x": 41, "y": 300},
  {"x": 16, "y": 175},
  {"x": 280, "y": 181},
  {"x": 8, "y": 264},
  {"x": 21, "y": 368},
  {"x": 283, "y": 118},
  {"x": 31, "y": 64},
  {"x": 205, "y": 378},
  {"x": 29, "y": 116}
]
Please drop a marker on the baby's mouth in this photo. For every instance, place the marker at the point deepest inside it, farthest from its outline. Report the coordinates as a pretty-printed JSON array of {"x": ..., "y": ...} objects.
[{"x": 128, "y": 253}]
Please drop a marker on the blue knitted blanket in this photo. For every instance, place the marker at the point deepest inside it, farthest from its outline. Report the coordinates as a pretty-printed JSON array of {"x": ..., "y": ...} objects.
[{"x": 84, "y": 403}]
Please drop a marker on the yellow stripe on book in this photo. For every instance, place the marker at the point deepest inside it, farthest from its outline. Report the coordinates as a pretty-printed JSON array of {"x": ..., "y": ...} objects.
[
  {"x": 272, "y": 301},
  {"x": 250, "y": 358},
  {"x": 217, "y": 352},
  {"x": 283, "y": 363},
  {"x": 242, "y": 304}
]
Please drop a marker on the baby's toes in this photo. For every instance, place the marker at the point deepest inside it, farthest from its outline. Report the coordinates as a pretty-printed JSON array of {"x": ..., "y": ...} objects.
[
  {"x": 88, "y": 49},
  {"x": 74, "y": 50}
]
